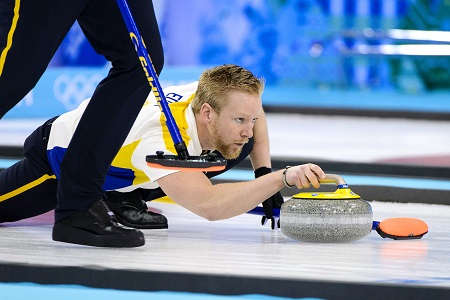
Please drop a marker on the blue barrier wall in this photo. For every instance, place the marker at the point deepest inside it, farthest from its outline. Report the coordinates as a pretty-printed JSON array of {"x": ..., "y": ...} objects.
[{"x": 62, "y": 89}]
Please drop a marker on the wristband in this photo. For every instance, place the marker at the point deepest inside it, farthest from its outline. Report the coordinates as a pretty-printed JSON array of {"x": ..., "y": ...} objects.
[
  {"x": 286, "y": 184},
  {"x": 262, "y": 171}
]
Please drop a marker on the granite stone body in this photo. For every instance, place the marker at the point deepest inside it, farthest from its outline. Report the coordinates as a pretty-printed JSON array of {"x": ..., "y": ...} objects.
[{"x": 326, "y": 221}]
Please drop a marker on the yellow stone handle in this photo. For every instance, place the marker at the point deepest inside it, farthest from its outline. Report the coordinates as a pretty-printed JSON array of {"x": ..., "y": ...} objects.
[
  {"x": 342, "y": 192},
  {"x": 333, "y": 178}
]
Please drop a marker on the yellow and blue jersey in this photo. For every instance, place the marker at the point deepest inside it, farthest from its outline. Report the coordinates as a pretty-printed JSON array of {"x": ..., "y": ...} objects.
[{"x": 149, "y": 134}]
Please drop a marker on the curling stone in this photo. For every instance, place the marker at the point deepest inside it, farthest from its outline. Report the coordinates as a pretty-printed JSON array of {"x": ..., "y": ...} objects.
[{"x": 327, "y": 217}]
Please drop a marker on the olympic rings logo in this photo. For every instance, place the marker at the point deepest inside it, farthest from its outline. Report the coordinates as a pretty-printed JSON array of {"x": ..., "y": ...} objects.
[{"x": 71, "y": 91}]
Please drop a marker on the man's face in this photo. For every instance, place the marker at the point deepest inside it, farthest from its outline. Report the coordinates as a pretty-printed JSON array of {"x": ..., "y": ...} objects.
[{"x": 234, "y": 126}]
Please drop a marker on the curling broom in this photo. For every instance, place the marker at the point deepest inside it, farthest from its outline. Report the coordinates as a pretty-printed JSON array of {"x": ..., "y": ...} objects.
[{"x": 181, "y": 161}]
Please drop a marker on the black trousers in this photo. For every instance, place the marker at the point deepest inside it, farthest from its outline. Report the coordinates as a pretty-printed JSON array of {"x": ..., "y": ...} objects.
[
  {"x": 29, "y": 187},
  {"x": 28, "y": 41}
]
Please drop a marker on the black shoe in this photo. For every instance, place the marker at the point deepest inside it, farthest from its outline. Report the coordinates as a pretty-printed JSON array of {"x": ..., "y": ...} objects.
[
  {"x": 95, "y": 227},
  {"x": 130, "y": 210}
]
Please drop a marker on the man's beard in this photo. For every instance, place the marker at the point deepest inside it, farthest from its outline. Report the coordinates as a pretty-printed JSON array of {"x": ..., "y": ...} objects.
[{"x": 226, "y": 150}]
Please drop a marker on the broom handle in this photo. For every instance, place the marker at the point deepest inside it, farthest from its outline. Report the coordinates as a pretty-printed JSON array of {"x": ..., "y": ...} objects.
[{"x": 152, "y": 78}]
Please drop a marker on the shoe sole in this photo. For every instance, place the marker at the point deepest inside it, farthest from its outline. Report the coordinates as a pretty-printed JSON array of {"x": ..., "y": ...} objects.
[
  {"x": 138, "y": 226},
  {"x": 67, "y": 234}
]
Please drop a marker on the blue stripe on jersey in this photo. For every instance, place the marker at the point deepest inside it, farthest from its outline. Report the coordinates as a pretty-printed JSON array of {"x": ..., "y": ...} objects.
[
  {"x": 55, "y": 156},
  {"x": 116, "y": 178}
]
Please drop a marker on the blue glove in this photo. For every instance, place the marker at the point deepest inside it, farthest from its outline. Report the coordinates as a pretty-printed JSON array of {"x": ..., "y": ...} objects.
[{"x": 275, "y": 201}]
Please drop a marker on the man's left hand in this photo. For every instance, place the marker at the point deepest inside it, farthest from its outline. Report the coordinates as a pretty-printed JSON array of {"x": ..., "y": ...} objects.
[{"x": 275, "y": 201}]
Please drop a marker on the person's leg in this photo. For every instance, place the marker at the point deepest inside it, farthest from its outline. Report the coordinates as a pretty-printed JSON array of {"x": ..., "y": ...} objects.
[
  {"x": 30, "y": 34},
  {"x": 25, "y": 192},
  {"x": 28, "y": 188},
  {"x": 105, "y": 124},
  {"x": 115, "y": 103}
]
